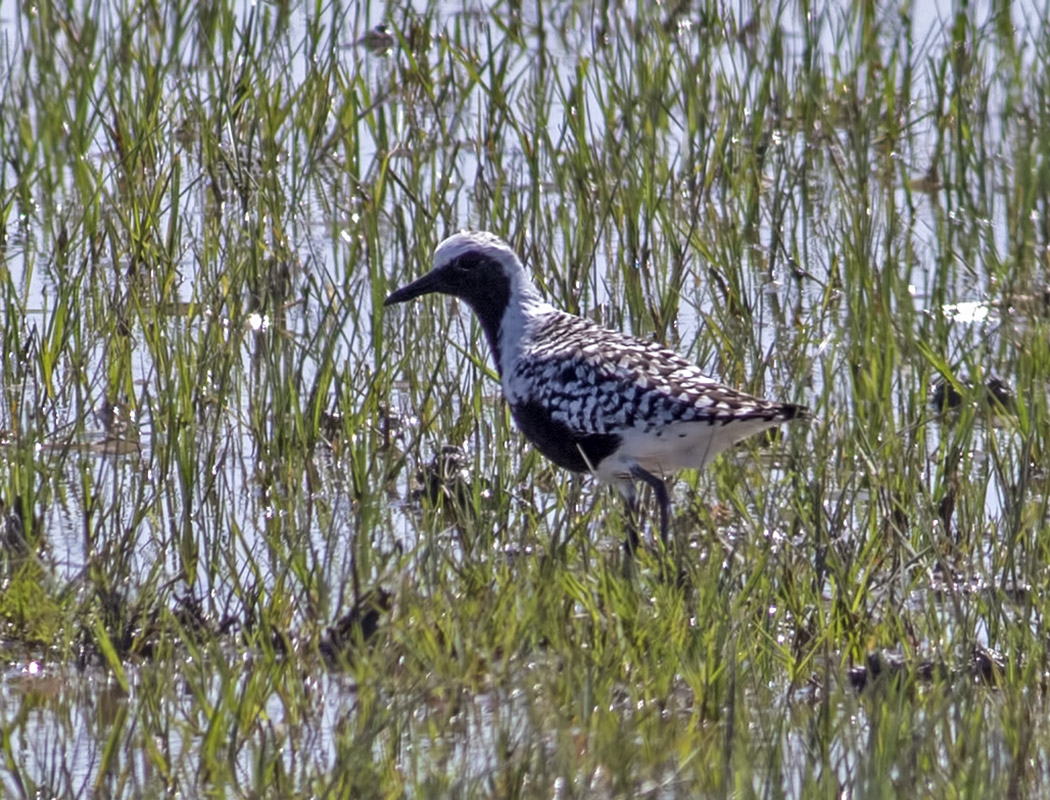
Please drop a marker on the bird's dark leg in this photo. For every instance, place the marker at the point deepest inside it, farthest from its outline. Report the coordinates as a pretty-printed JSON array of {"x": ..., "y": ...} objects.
[
  {"x": 660, "y": 490},
  {"x": 630, "y": 542}
]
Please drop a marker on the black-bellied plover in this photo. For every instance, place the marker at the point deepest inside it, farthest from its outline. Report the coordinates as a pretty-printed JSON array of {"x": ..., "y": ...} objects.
[{"x": 591, "y": 399}]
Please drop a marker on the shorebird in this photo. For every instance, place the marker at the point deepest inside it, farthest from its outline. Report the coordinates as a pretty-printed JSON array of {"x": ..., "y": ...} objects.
[{"x": 591, "y": 399}]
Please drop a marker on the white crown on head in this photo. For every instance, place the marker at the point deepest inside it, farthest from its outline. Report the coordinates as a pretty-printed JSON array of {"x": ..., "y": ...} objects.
[{"x": 484, "y": 242}]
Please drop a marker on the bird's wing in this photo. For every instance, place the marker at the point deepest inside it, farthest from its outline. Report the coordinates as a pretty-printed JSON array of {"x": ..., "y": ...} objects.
[{"x": 597, "y": 381}]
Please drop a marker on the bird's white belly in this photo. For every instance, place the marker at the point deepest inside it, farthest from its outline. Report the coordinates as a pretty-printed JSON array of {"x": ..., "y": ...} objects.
[{"x": 681, "y": 445}]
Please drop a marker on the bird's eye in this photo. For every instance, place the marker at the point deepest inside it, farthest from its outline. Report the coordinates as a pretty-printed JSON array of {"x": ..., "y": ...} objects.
[{"x": 467, "y": 264}]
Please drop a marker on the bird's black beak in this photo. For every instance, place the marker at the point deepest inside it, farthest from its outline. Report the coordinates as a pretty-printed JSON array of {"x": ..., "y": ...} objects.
[{"x": 431, "y": 282}]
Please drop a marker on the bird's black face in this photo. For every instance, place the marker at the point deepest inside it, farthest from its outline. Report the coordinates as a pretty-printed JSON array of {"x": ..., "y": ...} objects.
[{"x": 474, "y": 277}]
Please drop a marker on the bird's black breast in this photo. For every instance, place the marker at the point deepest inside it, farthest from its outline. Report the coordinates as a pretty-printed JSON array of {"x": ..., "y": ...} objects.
[{"x": 558, "y": 442}]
